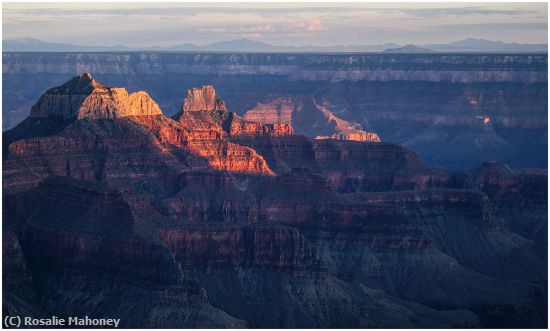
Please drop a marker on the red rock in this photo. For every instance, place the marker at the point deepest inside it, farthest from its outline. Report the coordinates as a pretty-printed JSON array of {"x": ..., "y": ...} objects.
[
  {"x": 203, "y": 98},
  {"x": 83, "y": 97},
  {"x": 158, "y": 195},
  {"x": 205, "y": 143},
  {"x": 311, "y": 119},
  {"x": 282, "y": 153},
  {"x": 202, "y": 109},
  {"x": 357, "y": 135}
]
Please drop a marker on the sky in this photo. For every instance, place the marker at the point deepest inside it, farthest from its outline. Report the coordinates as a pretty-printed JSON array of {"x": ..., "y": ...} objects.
[{"x": 295, "y": 24}]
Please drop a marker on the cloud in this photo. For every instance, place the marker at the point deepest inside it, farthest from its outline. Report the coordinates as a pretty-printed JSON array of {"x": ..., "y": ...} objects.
[
  {"x": 314, "y": 25},
  {"x": 144, "y": 24},
  {"x": 310, "y": 26},
  {"x": 494, "y": 26},
  {"x": 461, "y": 11},
  {"x": 214, "y": 29},
  {"x": 258, "y": 29}
]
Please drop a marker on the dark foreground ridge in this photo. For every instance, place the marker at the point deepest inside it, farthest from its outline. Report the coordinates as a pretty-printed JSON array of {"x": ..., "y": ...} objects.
[{"x": 209, "y": 219}]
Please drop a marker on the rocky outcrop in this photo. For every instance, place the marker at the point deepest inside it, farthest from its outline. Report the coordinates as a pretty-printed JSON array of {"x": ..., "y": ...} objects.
[
  {"x": 88, "y": 150},
  {"x": 202, "y": 109},
  {"x": 355, "y": 136},
  {"x": 278, "y": 110},
  {"x": 125, "y": 149},
  {"x": 201, "y": 220},
  {"x": 431, "y": 103},
  {"x": 83, "y": 97},
  {"x": 310, "y": 119},
  {"x": 203, "y": 98},
  {"x": 353, "y": 166},
  {"x": 240, "y": 127},
  {"x": 131, "y": 146},
  {"x": 281, "y": 153},
  {"x": 206, "y": 148}
]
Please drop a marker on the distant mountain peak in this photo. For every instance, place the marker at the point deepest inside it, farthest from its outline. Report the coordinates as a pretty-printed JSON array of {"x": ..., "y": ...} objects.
[
  {"x": 29, "y": 44},
  {"x": 410, "y": 48},
  {"x": 26, "y": 39}
]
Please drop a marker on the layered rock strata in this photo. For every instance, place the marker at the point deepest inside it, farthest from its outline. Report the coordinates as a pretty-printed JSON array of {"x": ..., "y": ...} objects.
[
  {"x": 201, "y": 220},
  {"x": 83, "y": 97},
  {"x": 203, "y": 109},
  {"x": 310, "y": 118}
]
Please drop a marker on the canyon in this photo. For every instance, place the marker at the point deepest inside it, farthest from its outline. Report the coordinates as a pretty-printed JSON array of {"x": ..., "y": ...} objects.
[
  {"x": 455, "y": 110},
  {"x": 231, "y": 211}
]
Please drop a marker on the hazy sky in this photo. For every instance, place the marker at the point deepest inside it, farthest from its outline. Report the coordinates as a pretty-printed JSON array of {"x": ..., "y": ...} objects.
[{"x": 166, "y": 24}]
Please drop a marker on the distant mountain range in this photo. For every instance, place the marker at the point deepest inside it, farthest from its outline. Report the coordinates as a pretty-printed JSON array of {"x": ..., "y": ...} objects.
[
  {"x": 408, "y": 49},
  {"x": 246, "y": 45}
]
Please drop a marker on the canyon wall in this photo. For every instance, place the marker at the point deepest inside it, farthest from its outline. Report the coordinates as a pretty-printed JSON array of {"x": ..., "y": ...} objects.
[
  {"x": 208, "y": 219},
  {"x": 456, "y": 110}
]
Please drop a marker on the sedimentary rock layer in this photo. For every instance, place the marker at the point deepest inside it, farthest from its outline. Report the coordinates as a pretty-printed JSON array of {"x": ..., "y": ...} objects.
[{"x": 83, "y": 97}]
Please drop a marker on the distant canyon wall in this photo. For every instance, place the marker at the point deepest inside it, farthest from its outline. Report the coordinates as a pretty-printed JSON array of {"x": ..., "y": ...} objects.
[{"x": 310, "y": 67}]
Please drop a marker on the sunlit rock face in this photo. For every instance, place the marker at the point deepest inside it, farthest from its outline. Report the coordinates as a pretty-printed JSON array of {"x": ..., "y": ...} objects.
[
  {"x": 234, "y": 223},
  {"x": 309, "y": 117},
  {"x": 116, "y": 136},
  {"x": 433, "y": 104},
  {"x": 355, "y": 136},
  {"x": 203, "y": 109},
  {"x": 203, "y": 98},
  {"x": 83, "y": 97}
]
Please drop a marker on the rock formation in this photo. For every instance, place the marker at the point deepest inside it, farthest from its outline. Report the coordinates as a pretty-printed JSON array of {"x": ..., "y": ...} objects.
[
  {"x": 355, "y": 136},
  {"x": 83, "y": 97},
  {"x": 518, "y": 196},
  {"x": 310, "y": 118},
  {"x": 430, "y": 103},
  {"x": 203, "y": 98},
  {"x": 272, "y": 248},
  {"x": 211, "y": 220},
  {"x": 203, "y": 109}
]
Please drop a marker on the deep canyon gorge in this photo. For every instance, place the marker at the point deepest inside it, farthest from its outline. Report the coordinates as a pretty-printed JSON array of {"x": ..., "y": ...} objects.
[
  {"x": 455, "y": 110},
  {"x": 186, "y": 190}
]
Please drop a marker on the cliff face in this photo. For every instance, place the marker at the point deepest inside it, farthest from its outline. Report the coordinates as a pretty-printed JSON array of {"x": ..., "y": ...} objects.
[
  {"x": 203, "y": 98},
  {"x": 98, "y": 146},
  {"x": 275, "y": 248},
  {"x": 203, "y": 109},
  {"x": 519, "y": 197},
  {"x": 355, "y": 166},
  {"x": 529, "y": 68},
  {"x": 83, "y": 97},
  {"x": 435, "y": 104},
  {"x": 211, "y": 220},
  {"x": 310, "y": 118}
]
